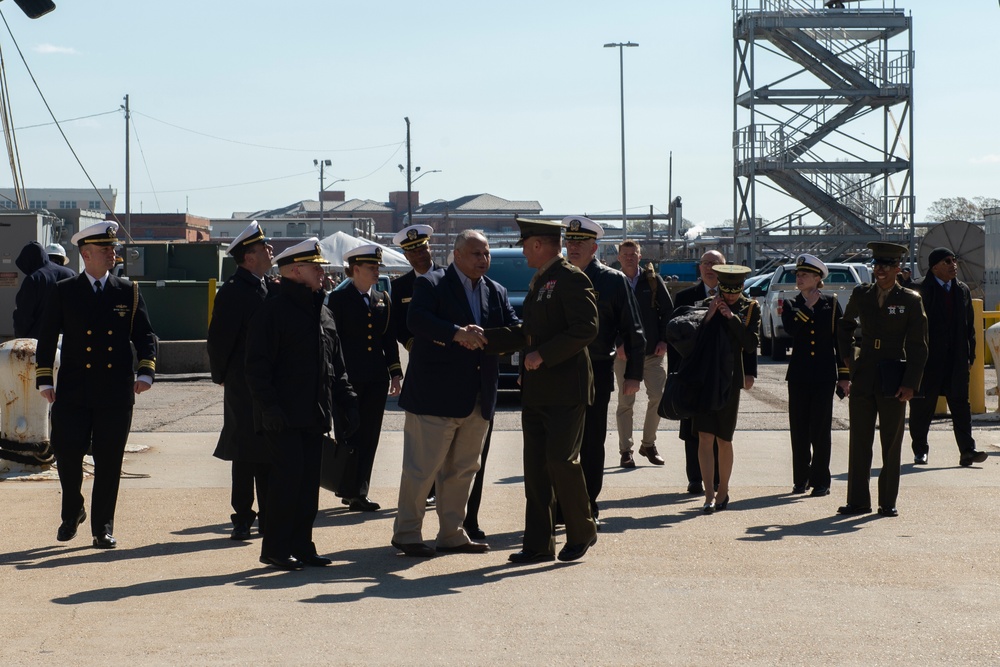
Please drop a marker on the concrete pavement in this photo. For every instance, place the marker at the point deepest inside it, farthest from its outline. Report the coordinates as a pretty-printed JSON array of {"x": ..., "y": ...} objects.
[{"x": 776, "y": 579}]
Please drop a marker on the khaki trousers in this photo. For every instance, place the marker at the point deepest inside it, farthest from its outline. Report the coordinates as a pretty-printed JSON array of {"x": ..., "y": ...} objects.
[
  {"x": 654, "y": 376},
  {"x": 443, "y": 452}
]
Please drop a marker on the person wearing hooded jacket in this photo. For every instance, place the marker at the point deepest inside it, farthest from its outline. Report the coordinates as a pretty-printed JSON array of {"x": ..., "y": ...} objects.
[{"x": 40, "y": 276}]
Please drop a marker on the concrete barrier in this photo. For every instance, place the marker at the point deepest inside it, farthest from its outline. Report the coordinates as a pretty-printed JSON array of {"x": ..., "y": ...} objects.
[{"x": 182, "y": 356}]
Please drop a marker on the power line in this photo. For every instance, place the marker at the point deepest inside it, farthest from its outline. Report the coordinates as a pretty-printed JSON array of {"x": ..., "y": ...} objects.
[
  {"x": 231, "y": 185},
  {"x": 67, "y": 120}
]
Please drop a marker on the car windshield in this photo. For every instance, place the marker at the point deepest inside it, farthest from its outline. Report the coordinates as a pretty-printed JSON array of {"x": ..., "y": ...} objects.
[{"x": 511, "y": 271}]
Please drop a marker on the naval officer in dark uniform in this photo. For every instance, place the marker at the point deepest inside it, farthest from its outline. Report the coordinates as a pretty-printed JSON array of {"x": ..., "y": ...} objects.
[
  {"x": 893, "y": 328},
  {"x": 814, "y": 370},
  {"x": 299, "y": 385},
  {"x": 235, "y": 303},
  {"x": 557, "y": 385},
  {"x": 98, "y": 315},
  {"x": 415, "y": 244},
  {"x": 365, "y": 319},
  {"x": 618, "y": 319}
]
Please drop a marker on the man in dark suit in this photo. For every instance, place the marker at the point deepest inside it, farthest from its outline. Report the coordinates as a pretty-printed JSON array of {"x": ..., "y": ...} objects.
[
  {"x": 557, "y": 385},
  {"x": 40, "y": 277},
  {"x": 298, "y": 382},
  {"x": 98, "y": 315},
  {"x": 618, "y": 320},
  {"x": 365, "y": 321},
  {"x": 951, "y": 343},
  {"x": 449, "y": 395},
  {"x": 706, "y": 288},
  {"x": 235, "y": 303},
  {"x": 893, "y": 327},
  {"x": 655, "y": 309}
]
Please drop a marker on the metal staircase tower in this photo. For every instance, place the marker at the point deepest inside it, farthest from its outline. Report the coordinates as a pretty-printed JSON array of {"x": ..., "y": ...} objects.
[{"x": 822, "y": 127}]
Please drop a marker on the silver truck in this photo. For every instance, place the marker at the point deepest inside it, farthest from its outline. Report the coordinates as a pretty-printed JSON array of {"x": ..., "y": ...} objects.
[{"x": 774, "y": 341}]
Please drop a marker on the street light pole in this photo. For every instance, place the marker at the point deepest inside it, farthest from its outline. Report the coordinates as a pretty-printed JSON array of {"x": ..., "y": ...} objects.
[
  {"x": 621, "y": 76},
  {"x": 409, "y": 181},
  {"x": 321, "y": 164}
]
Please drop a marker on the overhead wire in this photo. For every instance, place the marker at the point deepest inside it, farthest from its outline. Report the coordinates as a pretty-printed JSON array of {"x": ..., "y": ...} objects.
[
  {"x": 145, "y": 165},
  {"x": 59, "y": 125}
]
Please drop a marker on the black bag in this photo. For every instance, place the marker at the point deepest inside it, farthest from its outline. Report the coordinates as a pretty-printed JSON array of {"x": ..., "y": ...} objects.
[
  {"x": 331, "y": 469},
  {"x": 890, "y": 377},
  {"x": 678, "y": 401},
  {"x": 702, "y": 383}
]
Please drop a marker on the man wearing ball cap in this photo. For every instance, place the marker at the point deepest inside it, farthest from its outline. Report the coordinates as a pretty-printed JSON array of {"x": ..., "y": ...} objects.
[
  {"x": 951, "y": 343},
  {"x": 298, "y": 381},
  {"x": 99, "y": 315},
  {"x": 893, "y": 328}
]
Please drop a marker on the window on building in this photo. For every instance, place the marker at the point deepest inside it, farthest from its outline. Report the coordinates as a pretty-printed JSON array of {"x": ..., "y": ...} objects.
[
  {"x": 67, "y": 204},
  {"x": 37, "y": 203},
  {"x": 95, "y": 205}
]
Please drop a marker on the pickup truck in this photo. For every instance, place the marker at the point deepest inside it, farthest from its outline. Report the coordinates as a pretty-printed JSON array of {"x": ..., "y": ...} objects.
[{"x": 774, "y": 341}]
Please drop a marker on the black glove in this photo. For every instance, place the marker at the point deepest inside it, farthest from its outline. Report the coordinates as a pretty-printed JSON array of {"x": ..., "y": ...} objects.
[
  {"x": 352, "y": 422},
  {"x": 273, "y": 419}
]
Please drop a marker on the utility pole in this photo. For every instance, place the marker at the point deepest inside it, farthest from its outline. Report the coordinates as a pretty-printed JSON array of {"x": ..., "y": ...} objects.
[
  {"x": 409, "y": 174},
  {"x": 128, "y": 183}
]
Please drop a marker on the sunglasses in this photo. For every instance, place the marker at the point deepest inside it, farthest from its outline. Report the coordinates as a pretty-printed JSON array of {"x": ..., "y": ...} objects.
[{"x": 886, "y": 263}]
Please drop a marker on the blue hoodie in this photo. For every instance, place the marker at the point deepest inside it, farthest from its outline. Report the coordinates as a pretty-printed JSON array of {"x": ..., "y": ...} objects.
[{"x": 40, "y": 276}]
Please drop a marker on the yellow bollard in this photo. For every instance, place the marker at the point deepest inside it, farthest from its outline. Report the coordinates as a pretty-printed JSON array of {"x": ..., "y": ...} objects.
[
  {"x": 977, "y": 375},
  {"x": 211, "y": 298}
]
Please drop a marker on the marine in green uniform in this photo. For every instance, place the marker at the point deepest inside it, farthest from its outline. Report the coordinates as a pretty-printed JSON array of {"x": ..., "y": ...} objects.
[
  {"x": 893, "y": 328},
  {"x": 559, "y": 322}
]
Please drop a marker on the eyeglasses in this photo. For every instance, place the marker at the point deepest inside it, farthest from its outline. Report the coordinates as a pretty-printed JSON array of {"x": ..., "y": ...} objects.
[{"x": 886, "y": 263}]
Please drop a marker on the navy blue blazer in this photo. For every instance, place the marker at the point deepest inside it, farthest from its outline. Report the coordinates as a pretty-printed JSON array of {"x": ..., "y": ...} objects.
[{"x": 442, "y": 377}]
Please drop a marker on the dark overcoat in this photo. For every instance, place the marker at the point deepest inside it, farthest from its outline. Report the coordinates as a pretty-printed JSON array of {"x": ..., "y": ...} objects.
[
  {"x": 235, "y": 303},
  {"x": 951, "y": 335}
]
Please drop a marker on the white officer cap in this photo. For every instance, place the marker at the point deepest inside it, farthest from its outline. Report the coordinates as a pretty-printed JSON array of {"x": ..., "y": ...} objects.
[
  {"x": 252, "y": 234},
  {"x": 806, "y": 262},
  {"x": 579, "y": 228},
  {"x": 307, "y": 251},
  {"x": 101, "y": 233},
  {"x": 413, "y": 237},
  {"x": 370, "y": 253}
]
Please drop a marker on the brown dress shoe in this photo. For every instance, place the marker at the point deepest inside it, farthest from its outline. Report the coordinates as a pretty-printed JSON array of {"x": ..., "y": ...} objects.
[
  {"x": 415, "y": 549},
  {"x": 651, "y": 454},
  {"x": 627, "y": 460}
]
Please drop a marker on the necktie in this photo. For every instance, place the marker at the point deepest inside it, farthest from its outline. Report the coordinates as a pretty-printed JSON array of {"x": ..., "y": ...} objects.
[
  {"x": 368, "y": 301},
  {"x": 711, "y": 292},
  {"x": 97, "y": 288}
]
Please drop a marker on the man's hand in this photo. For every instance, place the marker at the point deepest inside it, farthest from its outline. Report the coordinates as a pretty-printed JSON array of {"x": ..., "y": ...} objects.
[
  {"x": 845, "y": 386},
  {"x": 630, "y": 387},
  {"x": 140, "y": 386},
  {"x": 904, "y": 394},
  {"x": 470, "y": 337},
  {"x": 533, "y": 361},
  {"x": 748, "y": 381},
  {"x": 661, "y": 349},
  {"x": 395, "y": 386},
  {"x": 49, "y": 394},
  {"x": 273, "y": 419},
  {"x": 620, "y": 352}
]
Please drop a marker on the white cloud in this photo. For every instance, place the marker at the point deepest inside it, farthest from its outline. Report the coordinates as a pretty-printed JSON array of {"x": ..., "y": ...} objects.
[
  {"x": 52, "y": 48},
  {"x": 993, "y": 158}
]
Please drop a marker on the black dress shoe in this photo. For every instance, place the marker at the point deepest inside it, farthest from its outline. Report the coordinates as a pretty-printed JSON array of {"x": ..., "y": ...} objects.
[
  {"x": 853, "y": 509},
  {"x": 723, "y": 505},
  {"x": 799, "y": 488},
  {"x": 467, "y": 548},
  {"x": 708, "y": 508},
  {"x": 414, "y": 549},
  {"x": 575, "y": 551},
  {"x": 598, "y": 523},
  {"x": 315, "y": 560},
  {"x": 475, "y": 533},
  {"x": 362, "y": 504},
  {"x": 241, "y": 531},
  {"x": 919, "y": 459},
  {"x": 694, "y": 488},
  {"x": 104, "y": 541},
  {"x": 820, "y": 491},
  {"x": 890, "y": 511},
  {"x": 289, "y": 563},
  {"x": 975, "y": 456},
  {"x": 528, "y": 556},
  {"x": 431, "y": 501},
  {"x": 67, "y": 529}
]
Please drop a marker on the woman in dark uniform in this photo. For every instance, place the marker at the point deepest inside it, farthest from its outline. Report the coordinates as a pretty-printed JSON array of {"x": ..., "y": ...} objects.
[
  {"x": 740, "y": 318},
  {"x": 362, "y": 315},
  {"x": 814, "y": 370}
]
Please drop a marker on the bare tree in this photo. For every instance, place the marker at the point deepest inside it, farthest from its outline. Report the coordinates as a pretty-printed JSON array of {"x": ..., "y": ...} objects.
[{"x": 960, "y": 208}]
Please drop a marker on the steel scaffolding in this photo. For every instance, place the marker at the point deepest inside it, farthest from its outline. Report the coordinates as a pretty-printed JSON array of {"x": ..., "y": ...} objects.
[{"x": 822, "y": 127}]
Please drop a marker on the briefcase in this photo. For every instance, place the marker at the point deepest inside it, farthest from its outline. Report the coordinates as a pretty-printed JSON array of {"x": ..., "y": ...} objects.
[{"x": 331, "y": 469}]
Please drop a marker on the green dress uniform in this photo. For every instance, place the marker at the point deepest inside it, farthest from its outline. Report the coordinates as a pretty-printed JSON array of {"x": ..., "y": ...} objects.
[
  {"x": 895, "y": 330},
  {"x": 559, "y": 321}
]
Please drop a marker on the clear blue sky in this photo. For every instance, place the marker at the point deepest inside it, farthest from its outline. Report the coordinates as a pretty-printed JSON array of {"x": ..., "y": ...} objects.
[{"x": 518, "y": 99}]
